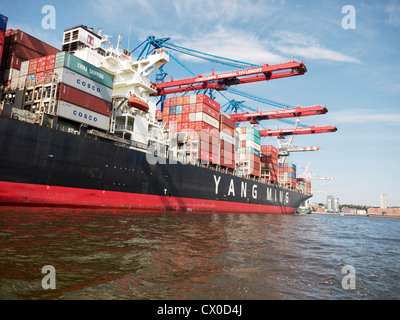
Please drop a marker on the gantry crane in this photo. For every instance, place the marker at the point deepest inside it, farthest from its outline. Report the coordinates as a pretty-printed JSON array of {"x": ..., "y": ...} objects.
[
  {"x": 297, "y": 131},
  {"x": 223, "y": 80},
  {"x": 256, "y": 117},
  {"x": 307, "y": 174}
]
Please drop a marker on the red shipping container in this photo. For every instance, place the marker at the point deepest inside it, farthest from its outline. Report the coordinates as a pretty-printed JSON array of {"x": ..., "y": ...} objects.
[
  {"x": 207, "y": 110},
  {"x": 179, "y": 101},
  {"x": 167, "y": 103},
  {"x": 2, "y": 36},
  {"x": 227, "y": 154},
  {"x": 227, "y": 122},
  {"x": 23, "y": 52},
  {"x": 41, "y": 64},
  {"x": 202, "y": 98},
  {"x": 48, "y": 76},
  {"x": 185, "y": 117},
  {"x": 83, "y": 99},
  {"x": 178, "y": 118},
  {"x": 185, "y": 109},
  {"x": 179, "y": 127},
  {"x": 50, "y": 62},
  {"x": 32, "y": 66},
  {"x": 166, "y": 111},
  {"x": 202, "y": 126},
  {"x": 172, "y": 118},
  {"x": 227, "y": 146},
  {"x": 30, "y": 42},
  {"x": 13, "y": 62},
  {"x": 226, "y": 129},
  {"x": 192, "y": 108},
  {"x": 185, "y": 125},
  {"x": 172, "y": 102},
  {"x": 40, "y": 78}
]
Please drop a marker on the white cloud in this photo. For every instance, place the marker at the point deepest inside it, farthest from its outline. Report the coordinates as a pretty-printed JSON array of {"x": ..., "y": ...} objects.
[
  {"x": 305, "y": 46},
  {"x": 234, "y": 44},
  {"x": 236, "y": 29},
  {"x": 361, "y": 115},
  {"x": 393, "y": 10},
  {"x": 317, "y": 53}
]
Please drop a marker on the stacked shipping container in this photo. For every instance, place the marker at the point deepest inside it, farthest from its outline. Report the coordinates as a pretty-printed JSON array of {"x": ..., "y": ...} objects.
[
  {"x": 269, "y": 163},
  {"x": 19, "y": 47},
  {"x": 198, "y": 115},
  {"x": 227, "y": 141},
  {"x": 84, "y": 92},
  {"x": 249, "y": 151},
  {"x": 287, "y": 175}
]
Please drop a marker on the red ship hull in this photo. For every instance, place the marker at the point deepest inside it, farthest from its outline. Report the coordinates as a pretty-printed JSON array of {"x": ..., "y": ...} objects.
[{"x": 23, "y": 194}]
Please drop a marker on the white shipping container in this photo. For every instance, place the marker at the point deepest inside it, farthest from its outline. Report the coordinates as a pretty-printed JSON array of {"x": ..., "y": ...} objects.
[
  {"x": 199, "y": 116},
  {"x": 253, "y": 144},
  {"x": 84, "y": 84},
  {"x": 21, "y": 82},
  {"x": 192, "y": 99},
  {"x": 203, "y": 117},
  {"x": 210, "y": 120},
  {"x": 10, "y": 74},
  {"x": 192, "y": 117},
  {"x": 24, "y": 68},
  {"x": 14, "y": 84},
  {"x": 73, "y": 112},
  {"x": 226, "y": 137}
]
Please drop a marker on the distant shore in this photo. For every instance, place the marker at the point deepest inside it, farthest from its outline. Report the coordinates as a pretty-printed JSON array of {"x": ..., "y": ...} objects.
[{"x": 356, "y": 215}]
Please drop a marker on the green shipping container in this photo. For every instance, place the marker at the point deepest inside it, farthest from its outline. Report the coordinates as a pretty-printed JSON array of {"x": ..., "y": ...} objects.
[{"x": 64, "y": 59}]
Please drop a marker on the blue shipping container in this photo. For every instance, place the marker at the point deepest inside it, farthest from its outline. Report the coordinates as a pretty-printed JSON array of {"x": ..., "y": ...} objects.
[
  {"x": 172, "y": 110},
  {"x": 3, "y": 22}
]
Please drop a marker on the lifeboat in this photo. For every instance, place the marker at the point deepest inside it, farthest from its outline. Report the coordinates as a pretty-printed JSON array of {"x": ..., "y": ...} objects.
[{"x": 137, "y": 103}]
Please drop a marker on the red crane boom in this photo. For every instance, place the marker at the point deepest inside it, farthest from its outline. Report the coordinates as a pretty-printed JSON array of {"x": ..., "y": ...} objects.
[
  {"x": 221, "y": 81},
  {"x": 296, "y": 131},
  {"x": 278, "y": 114}
]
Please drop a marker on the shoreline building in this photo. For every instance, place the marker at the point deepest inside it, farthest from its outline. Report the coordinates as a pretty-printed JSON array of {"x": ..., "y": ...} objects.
[
  {"x": 383, "y": 201},
  {"x": 332, "y": 204}
]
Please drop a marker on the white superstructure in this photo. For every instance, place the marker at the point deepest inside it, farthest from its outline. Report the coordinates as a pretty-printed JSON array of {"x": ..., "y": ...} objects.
[{"x": 130, "y": 78}]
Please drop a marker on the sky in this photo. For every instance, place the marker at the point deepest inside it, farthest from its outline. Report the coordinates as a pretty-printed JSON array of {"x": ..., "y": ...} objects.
[{"x": 352, "y": 59}]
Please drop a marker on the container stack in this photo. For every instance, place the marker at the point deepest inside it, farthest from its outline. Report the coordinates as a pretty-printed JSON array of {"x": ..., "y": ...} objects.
[
  {"x": 83, "y": 91},
  {"x": 308, "y": 189},
  {"x": 19, "y": 47},
  {"x": 302, "y": 185},
  {"x": 197, "y": 115},
  {"x": 227, "y": 141},
  {"x": 249, "y": 151},
  {"x": 269, "y": 163},
  {"x": 287, "y": 175}
]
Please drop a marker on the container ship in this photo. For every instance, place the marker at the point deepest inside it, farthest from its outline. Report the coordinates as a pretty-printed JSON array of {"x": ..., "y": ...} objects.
[{"x": 79, "y": 128}]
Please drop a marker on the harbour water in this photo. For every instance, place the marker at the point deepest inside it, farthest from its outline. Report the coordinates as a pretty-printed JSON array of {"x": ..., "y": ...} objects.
[{"x": 100, "y": 255}]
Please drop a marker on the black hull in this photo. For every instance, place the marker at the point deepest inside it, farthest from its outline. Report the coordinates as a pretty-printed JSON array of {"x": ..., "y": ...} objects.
[{"x": 83, "y": 172}]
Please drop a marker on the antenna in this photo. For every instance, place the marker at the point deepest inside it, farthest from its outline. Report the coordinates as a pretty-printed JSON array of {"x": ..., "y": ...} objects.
[{"x": 129, "y": 36}]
